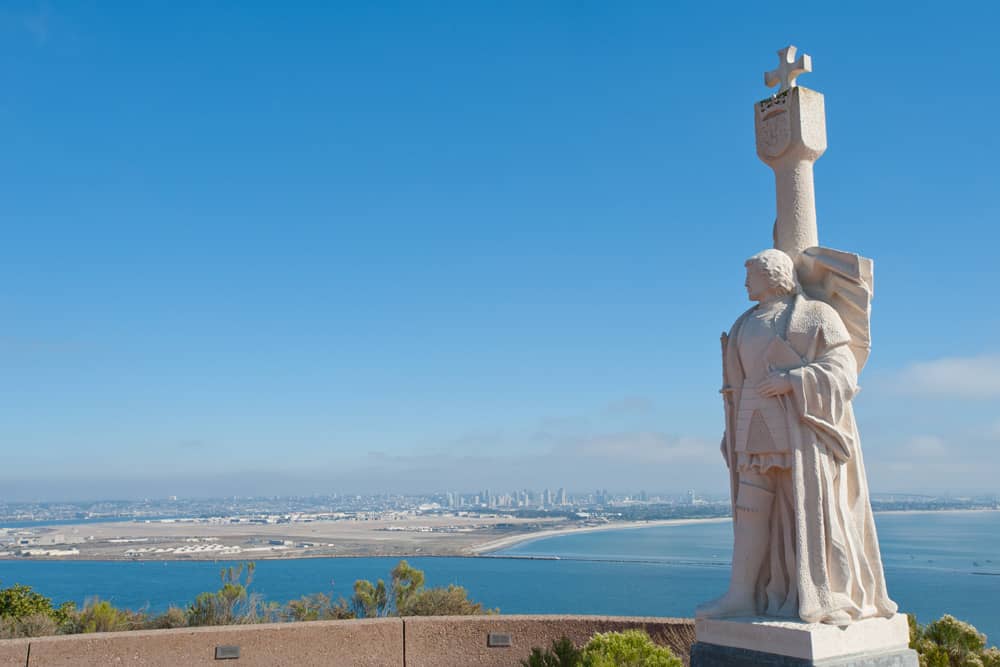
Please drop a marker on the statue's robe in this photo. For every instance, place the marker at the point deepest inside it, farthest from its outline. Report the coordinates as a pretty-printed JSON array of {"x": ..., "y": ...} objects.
[{"x": 824, "y": 554}]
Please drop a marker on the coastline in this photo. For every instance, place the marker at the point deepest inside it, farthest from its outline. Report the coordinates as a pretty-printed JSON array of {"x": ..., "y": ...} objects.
[
  {"x": 508, "y": 541},
  {"x": 428, "y": 546},
  {"x": 481, "y": 548}
]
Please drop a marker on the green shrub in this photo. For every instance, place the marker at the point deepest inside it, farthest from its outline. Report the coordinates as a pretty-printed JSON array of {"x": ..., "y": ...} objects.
[
  {"x": 562, "y": 653},
  {"x": 448, "y": 600},
  {"x": 370, "y": 600},
  {"x": 407, "y": 596},
  {"x": 20, "y": 601},
  {"x": 174, "y": 617},
  {"x": 32, "y": 625},
  {"x": 632, "y": 648},
  {"x": 101, "y": 616},
  {"x": 991, "y": 657},
  {"x": 316, "y": 607},
  {"x": 26, "y": 613},
  {"x": 407, "y": 582},
  {"x": 949, "y": 642},
  {"x": 232, "y": 604}
]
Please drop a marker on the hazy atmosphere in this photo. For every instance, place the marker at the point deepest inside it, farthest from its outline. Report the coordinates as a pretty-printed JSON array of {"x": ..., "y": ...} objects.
[{"x": 458, "y": 245}]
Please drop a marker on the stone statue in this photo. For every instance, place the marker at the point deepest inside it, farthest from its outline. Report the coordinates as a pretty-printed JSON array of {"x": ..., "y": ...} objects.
[
  {"x": 805, "y": 544},
  {"x": 807, "y": 586}
]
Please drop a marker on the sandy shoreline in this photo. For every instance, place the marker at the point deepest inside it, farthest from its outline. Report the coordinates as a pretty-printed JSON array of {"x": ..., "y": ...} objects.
[{"x": 511, "y": 540}]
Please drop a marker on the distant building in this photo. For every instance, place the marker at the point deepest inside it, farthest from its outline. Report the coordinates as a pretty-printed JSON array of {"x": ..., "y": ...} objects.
[{"x": 50, "y": 552}]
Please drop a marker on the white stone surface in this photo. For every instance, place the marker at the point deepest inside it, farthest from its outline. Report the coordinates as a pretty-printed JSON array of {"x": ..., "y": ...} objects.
[
  {"x": 788, "y": 69},
  {"x": 845, "y": 281},
  {"x": 791, "y": 136},
  {"x": 810, "y": 641}
]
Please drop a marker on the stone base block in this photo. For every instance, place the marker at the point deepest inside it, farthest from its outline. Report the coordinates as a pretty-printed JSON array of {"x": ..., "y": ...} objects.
[
  {"x": 881, "y": 642},
  {"x": 710, "y": 655}
]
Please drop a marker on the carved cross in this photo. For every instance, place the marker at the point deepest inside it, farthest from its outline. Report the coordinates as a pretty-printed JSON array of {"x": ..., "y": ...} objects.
[{"x": 788, "y": 70}]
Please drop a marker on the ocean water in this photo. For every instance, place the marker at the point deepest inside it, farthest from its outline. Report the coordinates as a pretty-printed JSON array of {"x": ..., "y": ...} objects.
[{"x": 935, "y": 563}]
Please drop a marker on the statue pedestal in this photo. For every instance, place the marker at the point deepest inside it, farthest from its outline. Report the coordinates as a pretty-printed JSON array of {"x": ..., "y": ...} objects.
[{"x": 739, "y": 642}]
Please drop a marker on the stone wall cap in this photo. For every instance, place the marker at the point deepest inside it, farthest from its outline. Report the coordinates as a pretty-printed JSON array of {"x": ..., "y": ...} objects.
[
  {"x": 238, "y": 628},
  {"x": 548, "y": 617}
]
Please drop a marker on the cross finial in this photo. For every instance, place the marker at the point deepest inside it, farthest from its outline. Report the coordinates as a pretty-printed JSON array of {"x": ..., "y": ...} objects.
[{"x": 788, "y": 69}]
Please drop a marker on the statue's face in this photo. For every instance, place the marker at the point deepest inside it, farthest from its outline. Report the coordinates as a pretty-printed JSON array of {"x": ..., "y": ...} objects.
[{"x": 757, "y": 283}]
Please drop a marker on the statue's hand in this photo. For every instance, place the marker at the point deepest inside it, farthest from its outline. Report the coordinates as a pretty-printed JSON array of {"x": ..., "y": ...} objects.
[{"x": 776, "y": 384}]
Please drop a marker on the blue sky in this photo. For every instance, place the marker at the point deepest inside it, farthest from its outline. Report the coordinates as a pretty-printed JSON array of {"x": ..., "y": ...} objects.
[{"x": 251, "y": 248}]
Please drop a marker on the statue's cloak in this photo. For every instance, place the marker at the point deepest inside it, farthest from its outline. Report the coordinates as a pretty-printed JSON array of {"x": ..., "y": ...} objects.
[{"x": 824, "y": 554}]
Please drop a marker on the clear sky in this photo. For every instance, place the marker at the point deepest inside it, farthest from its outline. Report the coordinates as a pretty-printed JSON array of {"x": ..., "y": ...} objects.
[{"x": 254, "y": 248}]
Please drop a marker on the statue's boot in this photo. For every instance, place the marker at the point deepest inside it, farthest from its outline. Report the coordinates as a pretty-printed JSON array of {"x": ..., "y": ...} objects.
[
  {"x": 838, "y": 617},
  {"x": 752, "y": 535}
]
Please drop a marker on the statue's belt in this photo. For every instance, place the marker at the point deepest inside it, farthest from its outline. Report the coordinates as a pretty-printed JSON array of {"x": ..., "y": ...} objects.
[{"x": 761, "y": 425}]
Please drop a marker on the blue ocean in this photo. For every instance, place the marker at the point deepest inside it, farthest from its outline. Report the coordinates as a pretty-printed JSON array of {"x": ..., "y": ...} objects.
[{"x": 935, "y": 563}]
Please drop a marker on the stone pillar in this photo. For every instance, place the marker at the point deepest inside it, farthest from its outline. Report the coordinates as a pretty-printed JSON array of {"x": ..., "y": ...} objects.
[{"x": 791, "y": 135}]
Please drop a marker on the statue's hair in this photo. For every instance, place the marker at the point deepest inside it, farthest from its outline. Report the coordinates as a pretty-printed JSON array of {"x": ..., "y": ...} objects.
[{"x": 779, "y": 269}]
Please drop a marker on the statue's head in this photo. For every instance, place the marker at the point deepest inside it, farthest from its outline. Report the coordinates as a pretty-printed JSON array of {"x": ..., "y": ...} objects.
[{"x": 770, "y": 274}]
